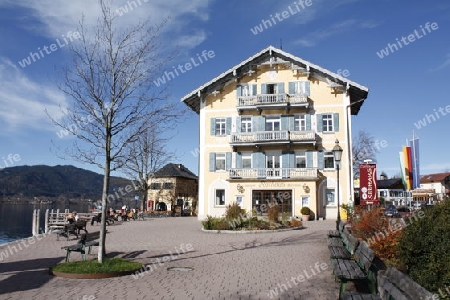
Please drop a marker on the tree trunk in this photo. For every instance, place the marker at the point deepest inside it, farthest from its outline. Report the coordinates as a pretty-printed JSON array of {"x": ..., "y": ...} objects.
[{"x": 107, "y": 170}]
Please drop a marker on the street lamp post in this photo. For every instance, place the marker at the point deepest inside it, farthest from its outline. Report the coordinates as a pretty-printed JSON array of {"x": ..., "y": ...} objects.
[{"x": 337, "y": 153}]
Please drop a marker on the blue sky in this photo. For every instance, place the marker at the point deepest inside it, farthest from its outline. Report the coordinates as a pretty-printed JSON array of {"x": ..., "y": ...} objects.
[{"x": 405, "y": 86}]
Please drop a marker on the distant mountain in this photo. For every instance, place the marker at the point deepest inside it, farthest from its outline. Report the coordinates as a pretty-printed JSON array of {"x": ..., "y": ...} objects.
[{"x": 54, "y": 182}]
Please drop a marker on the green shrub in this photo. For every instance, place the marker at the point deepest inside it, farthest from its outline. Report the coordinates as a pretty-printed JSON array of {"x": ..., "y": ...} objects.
[
  {"x": 212, "y": 223},
  {"x": 234, "y": 211},
  {"x": 305, "y": 211},
  {"x": 424, "y": 247}
]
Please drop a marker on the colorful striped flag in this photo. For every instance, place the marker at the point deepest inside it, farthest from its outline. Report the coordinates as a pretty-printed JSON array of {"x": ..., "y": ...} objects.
[{"x": 407, "y": 161}]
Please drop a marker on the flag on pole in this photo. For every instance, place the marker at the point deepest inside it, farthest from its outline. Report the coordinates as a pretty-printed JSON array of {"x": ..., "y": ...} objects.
[
  {"x": 414, "y": 144},
  {"x": 402, "y": 167},
  {"x": 407, "y": 167}
]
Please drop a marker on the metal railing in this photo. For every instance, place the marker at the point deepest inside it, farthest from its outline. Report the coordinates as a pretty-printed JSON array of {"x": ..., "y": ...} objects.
[
  {"x": 264, "y": 99},
  {"x": 273, "y": 173},
  {"x": 266, "y": 136}
]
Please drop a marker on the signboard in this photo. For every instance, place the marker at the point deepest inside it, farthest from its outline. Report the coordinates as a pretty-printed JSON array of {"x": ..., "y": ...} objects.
[{"x": 368, "y": 184}]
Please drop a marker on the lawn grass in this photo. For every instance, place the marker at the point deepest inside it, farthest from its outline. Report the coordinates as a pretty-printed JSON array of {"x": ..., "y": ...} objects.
[{"x": 109, "y": 265}]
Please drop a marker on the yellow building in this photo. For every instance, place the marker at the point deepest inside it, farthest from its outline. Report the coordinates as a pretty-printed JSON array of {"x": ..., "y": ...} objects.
[
  {"x": 173, "y": 184},
  {"x": 267, "y": 128}
]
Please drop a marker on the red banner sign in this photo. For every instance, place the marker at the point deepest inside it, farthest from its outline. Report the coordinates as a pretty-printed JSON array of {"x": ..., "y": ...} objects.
[{"x": 368, "y": 184}]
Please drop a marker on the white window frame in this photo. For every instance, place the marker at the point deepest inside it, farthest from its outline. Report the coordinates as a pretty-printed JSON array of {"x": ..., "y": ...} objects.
[
  {"x": 246, "y": 90},
  {"x": 300, "y": 123},
  {"x": 221, "y": 125},
  {"x": 217, "y": 199},
  {"x": 299, "y": 87},
  {"x": 300, "y": 154},
  {"x": 328, "y": 154},
  {"x": 220, "y": 157},
  {"x": 327, "y": 123},
  {"x": 275, "y": 88},
  {"x": 328, "y": 192},
  {"x": 247, "y": 156},
  {"x": 272, "y": 120},
  {"x": 305, "y": 201},
  {"x": 246, "y": 124}
]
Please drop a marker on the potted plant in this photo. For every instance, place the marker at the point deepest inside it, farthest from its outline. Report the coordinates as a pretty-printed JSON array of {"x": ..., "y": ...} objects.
[{"x": 306, "y": 212}]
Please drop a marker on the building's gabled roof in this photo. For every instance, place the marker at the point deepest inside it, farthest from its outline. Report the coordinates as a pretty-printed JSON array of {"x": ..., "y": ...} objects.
[
  {"x": 175, "y": 170},
  {"x": 393, "y": 183},
  {"x": 272, "y": 55},
  {"x": 437, "y": 177}
]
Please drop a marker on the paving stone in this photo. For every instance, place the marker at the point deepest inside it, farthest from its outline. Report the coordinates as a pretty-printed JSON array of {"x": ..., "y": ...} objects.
[{"x": 225, "y": 266}]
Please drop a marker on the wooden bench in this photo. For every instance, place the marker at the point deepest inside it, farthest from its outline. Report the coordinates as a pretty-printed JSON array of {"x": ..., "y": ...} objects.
[
  {"x": 357, "y": 270},
  {"x": 393, "y": 284},
  {"x": 337, "y": 233},
  {"x": 344, "y": 248},
  {"x": 71, "y": 229},
  {"x": 86, "y": 240}
]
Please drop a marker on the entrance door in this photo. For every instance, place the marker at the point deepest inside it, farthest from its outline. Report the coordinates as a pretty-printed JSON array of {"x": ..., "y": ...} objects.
[{"x": 262, "y": 200}]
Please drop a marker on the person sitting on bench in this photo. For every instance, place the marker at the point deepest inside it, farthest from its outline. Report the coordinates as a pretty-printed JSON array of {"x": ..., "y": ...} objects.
[{"x": 97, "y": 218}]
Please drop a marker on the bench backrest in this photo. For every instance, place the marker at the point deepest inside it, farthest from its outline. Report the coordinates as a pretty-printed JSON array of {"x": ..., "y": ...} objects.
[
  {"x": 341, "y": 226},
  {"x": 88, "y": 237},
  {"x": 352, "y": 243},
  {"x": 364, "y": 256},
  {"x": 394, "y": 284}
]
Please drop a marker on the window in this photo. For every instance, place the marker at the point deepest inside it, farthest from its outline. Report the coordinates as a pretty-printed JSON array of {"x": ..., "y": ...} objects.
[
  {"x": 300, "y": 123},
  {"x": 272, "y": 123},
  {"x": 246, "y": 124},
  {"x": 247, "y": 90},
  {"x": 328, "y": 160},
  {"x": 220, "y": 161},
  {"x": 168, "y": 185},
  {"x": 305, "y": 201},
  {"x": 300, "y": 159},
  {"x": 220, "y": 197},
  {"x": 272, "y": 88},
  {"x": 330, "y": 197},
  {"x": 299, "y": 87},
  {"x": 247, "y": 161},
  {"x": 220, "y": 126},
  {"x": 155, "y": 186},
  {"x": 327, "y": 122}
]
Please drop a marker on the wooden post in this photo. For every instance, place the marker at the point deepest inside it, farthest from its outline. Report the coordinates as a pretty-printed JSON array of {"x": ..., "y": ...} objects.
[
  {"x": 38, "y": 218},
  {"x": 46, "y": 220},
  {"x": 33, "y": 223}
]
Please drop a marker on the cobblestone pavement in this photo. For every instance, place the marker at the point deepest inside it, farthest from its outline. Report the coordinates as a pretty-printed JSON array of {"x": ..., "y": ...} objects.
[{"x": 282, "y": 265}]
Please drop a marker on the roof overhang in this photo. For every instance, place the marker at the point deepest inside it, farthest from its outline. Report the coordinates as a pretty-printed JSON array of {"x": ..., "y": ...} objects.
[{"x": 357, "y": 93}]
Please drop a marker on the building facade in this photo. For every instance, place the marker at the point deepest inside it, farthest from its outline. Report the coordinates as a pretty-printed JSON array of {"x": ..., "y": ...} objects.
[
  {"x": 267, "y": 129},
  {"x": 437, "y": 185},
  {"x": 173, "y": 184}
]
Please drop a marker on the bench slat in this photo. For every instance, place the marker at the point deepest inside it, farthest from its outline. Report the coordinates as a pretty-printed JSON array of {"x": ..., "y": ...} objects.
[{"x": 345, "y": 269}]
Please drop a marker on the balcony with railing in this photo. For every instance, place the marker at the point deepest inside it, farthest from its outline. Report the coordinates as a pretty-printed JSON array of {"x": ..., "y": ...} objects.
[
  {"x": 272, "y": 101},
  {"x": 274, "y": 173},
  {"x": 263, "y": 137}
]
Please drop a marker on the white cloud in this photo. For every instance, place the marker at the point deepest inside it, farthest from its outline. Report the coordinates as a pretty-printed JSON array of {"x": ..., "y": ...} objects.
[
  {"x": 24, "y": 102},
  {"x": 445, "y": 64},
  {"x": 339, "y": 28},
  {"x": 59, "y": 16}
]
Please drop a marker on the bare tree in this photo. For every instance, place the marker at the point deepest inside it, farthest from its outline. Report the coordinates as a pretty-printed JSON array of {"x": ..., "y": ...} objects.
[
  {"x": 146, "y": 155},
  {"x": 113, "y": 102},
  {"x": 364, "y": 147}
]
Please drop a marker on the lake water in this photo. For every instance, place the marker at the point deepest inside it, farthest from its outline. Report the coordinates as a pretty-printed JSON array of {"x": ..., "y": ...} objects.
[{"x": 16, "y": 219}]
